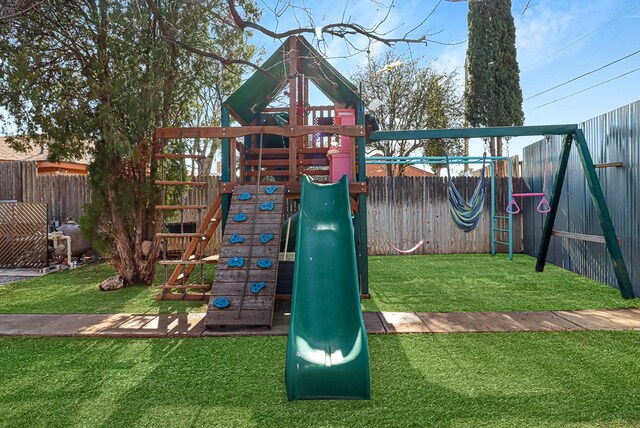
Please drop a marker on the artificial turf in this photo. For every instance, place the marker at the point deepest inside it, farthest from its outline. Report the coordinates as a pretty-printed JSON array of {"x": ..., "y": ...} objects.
[
  {"x": 564, "y": 379},
  {"x": 433, "y": 283},
  {"x": 76, "y": 291},
  {"x": 479, "y": 282}
]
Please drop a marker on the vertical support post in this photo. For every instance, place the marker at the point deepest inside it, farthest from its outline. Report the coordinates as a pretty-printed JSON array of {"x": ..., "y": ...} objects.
[
  {"x": 510, "y": 216},
  {"x": 493, "y": 208},
  {"x": 361, "y": 217},
  {"x": 225, "y": 121},
  {"x": 602, "y": 211},
  {"x": 293, "y": 107},
  {"x": 555, "y": 202}
]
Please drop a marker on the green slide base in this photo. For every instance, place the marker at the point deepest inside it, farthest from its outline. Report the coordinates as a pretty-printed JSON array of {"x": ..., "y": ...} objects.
[{"x": 327, "y": 352}]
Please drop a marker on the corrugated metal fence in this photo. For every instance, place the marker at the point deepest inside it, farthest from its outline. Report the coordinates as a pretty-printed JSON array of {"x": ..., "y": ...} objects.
[{"x": 612, "y": 137}]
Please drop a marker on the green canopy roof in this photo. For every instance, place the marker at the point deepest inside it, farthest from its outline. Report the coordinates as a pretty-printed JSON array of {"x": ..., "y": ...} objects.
[{"x": 246, "y": 103}]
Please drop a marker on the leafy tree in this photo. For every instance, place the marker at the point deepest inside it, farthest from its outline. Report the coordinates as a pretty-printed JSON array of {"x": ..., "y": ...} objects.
[
  {"x": 101, "y": 73},
  {"x": 444, "y": 110},
  {"x": 106, "y": 73},
  {"x": 413, "y": 97},
  {"x": 493, "y": 96}
]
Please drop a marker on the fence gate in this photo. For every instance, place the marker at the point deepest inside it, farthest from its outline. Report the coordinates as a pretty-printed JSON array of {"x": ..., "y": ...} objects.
[{"x": 23, "y": 235}]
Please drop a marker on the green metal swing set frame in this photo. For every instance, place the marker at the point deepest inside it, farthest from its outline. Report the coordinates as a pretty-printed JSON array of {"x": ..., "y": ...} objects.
[{"x": 572, "y": 134}]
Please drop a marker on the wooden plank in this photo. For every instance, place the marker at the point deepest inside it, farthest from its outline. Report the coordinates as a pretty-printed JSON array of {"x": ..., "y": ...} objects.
[
  {"x": 181, "y": 262},
  {"x": 251, "y": 262},
  {"x": 186, "y": 287},
  {"x": 293, "y": 188},
  {"x": 580, "y": 236},
  {"x": 245, "y": 229},
  {"x": 609, "y": 165},
  {"x": 259, "y": 250},
  {"x": 247, "y": 318},
  {"x": 250, "y": 302},
  {"x": 235, "y": 289},
  {"x": 185, "y": 296},
  {"x": 237, "y": 275},
  {"x": 259, "y": 217},
  {"x": 247, "y": 240},
  {"x": 235, "y": 132},
  {"x": 181, "y": 235}
]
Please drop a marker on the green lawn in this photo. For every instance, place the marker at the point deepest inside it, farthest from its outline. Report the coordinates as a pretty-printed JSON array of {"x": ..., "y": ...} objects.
[
  {"x": 76, "y": 291},
  {"x": 479, "y": 282},
  {"x": 576, "y": 379},
  {"x": 436, "y": 283}
]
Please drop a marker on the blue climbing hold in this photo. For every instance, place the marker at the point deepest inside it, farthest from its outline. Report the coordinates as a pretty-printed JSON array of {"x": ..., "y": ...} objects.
[
  {"x": 221, "y": 302},
  {"x": 264, "y": 263},
  {"x": 245, "y": 196},
  {"x": 270, "y": 189},
  {"x": 236, "y": 262},
  {"x": 257, "y": 286},
  {"x": 236, "y": 239},
  {"x": 265, "y": 237},
  {"x": 240, "y": 217},
  {"x": 266, "y": 206}
]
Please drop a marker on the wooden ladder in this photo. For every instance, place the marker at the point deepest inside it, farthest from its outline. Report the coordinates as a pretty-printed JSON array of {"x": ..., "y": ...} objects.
[{"x": 177, "y": 286}]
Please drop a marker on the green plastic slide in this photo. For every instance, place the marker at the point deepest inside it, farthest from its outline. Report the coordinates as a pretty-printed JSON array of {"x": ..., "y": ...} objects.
[{"x": 327, "y": 352}]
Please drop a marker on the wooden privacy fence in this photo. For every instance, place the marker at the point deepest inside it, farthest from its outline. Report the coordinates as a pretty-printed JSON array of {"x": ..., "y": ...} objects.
[
  {"x": 65, "y": 195},
  {"x": 23, "y": 235},
  {"x": 406, "y": 210},
  {"x": 401, "y": 210}
]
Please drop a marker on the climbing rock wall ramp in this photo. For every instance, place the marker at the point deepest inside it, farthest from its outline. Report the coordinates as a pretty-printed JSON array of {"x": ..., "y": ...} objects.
[{"x": 243, "y": 292}]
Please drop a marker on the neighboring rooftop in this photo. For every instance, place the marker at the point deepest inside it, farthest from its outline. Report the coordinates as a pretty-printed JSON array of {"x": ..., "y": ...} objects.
[
  {"x": 34, "y": 154},
  {"x": 8, "y": 154},
  {"x": 40, "y": 155}
]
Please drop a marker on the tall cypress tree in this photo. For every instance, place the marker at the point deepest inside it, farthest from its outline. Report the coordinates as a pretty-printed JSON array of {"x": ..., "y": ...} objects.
[{"x": 492, "y": 94}]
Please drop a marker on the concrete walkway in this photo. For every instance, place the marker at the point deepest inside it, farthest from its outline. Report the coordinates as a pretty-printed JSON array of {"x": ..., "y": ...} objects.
[{"x": 192, "y": 325}]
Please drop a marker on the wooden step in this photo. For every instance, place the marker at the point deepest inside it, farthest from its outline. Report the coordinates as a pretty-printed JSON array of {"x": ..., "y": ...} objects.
[
  {"x": 181, "y": 235},
  {"x": 185, "y": 287},
  {"x": 182, "y": 262},
  {"x": 183, "y": 296},
  {"x": 212, "y": 260}
]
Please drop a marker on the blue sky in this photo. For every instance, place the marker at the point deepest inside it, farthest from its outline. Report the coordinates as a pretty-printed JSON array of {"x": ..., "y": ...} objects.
[{"x": 557, "y": 40}]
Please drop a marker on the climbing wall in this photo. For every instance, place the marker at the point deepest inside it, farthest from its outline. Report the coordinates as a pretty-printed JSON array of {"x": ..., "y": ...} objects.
[{"x": 244, "y": 288}]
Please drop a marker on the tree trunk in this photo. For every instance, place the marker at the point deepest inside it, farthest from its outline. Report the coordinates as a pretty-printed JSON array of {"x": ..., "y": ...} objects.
[{"x": 500, "y": 166}]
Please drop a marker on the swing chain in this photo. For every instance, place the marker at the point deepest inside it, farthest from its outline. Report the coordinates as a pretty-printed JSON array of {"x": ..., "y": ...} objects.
[
  {"x": 547, "y": 148},
  {"x": 486, "y": 144},
  {"x": 506, "y": 146}
]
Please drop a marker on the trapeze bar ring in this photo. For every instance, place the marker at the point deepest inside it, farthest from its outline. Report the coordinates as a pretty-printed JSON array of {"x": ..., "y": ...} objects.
[
  {"x": 543, "y": 207},
  {"x": 513, "y": 207}
]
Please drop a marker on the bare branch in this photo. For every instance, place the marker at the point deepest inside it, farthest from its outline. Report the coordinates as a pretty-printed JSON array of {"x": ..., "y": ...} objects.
[{"x": 340, "y": 29}]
